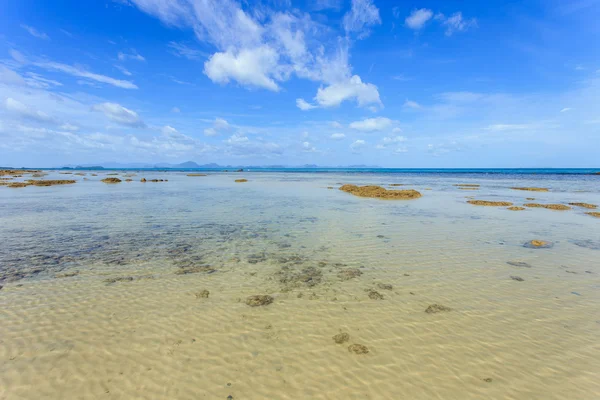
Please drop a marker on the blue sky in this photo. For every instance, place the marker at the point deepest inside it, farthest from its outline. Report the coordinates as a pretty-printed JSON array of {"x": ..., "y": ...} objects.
[{"x": 446, "y": 83}]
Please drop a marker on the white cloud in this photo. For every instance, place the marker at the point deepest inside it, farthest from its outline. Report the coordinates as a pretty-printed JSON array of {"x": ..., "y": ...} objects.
[
  {"x": 69, "y": 127},
  {"x": 396, "y": 130},
  {"x": 565, "y": 109},
  {"x": 76, "y": 71},
  {"x": 335, "y": 124},
  {"x": 183, "y": 50},
  {"x": 357, "y": 145},
  {"x": 338, "y": 136},
  {"x": 456, "y": 23},
  {"x": 394, "y": 139},
  {"x": 134, "y": 55},
  {"x": 361, "y": 16},
  {"x": 123, "y": 70},
  {"x": 119, "y": 114},
  {"x": 308, "y": 148},
  {"x": 507, "y": 127},
  {"x": 24, "y": 111},
  {"x": 175, "y": 110},
  {"x": 10, "y": 77},
  {"x": 18, "y": 56},
  {"x": 35, "y": 33},
  {"x": 372, "y": 124},
  {"x": 250, "y": 67},
  {"x": 38, "y": 81},
  {"x": 417, "y": 19},
  {"x": 352, "y": 89},
  {"x": 460, "y": 97},
  {"x": 411, "y": 105},
  {"x": 401, "y": 149},
  {"x": 219, "y": 125},
  {"x": 240, "y": 145},
  {"x": 304, "y": 105}
]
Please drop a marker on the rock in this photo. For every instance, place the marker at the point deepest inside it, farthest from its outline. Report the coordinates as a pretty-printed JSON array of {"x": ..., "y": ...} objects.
[
  {"x": 17, "y": 185},
  {"x": 341, "y": 338},
  {"x": 349, "y": 273},
  {"x": 588, "y": 244},
  {"x": 519, "y": 264},
  {"x": 466, "y": 185},
  {"x": 594, "y": 214},
  {"x": 203, "y": 294},
  {"x": 259, "y": 300},
  {"x": 529, "y": 198},
  {"x": 516, "y": 278},
  {"x": 490, "y": 203},
  {"x": 241, "y": 180},
  {"x": 380, "y": 193},
  {"x": 358, "y": 349},
  {"x": 111, "y": 180},
  {"x": 538, "y": 244},
  {"x": 437, "y": 308},
  {"x": 119, "y": 279},
  {"x": 385, "y": 286},
  {"x": 309, "y": 276},
  {"x": 128, "y": 180},
  {"x": 193, "y": 269},
  {"x": 488, "y": 380},
  {"x": 374, "y": 294},
  {"x": 584, "y": 205},
  {"x": 530, "y": 189},
  {"x": 559, "y": 207},
  {"x": 50, "y": 182},
  {"x": 196, "y": 174},
  {"x": 256, "y": 258},
  {"x": 67, "y": 274},
  {"x": 240, "y": 170},
  {"x": 143, "y": 180},
  {"x": 515, "y": 208}
]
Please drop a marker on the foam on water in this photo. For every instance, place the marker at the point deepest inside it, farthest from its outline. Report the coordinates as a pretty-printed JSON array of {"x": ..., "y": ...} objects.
[{"x": 98, "y": 302}]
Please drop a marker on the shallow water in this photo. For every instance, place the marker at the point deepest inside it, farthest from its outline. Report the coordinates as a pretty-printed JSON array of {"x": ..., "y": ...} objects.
[{"x": 68, "y": 331}]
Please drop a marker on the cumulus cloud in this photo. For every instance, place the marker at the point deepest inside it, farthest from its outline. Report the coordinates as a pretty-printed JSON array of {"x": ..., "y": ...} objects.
[
  {"x": 304, "y": 105},
  {"x": 133, "y": 55},
  {"x": 394, "y": 139},
  {"x": 219, "y": 125},
  {"x": 265, "y": 48},
  {"x": 456, "y": 23},
  {"x": 352, "y": 89},
  {"x": 26, "y": 112},
  {"x": 35, "y": 33},
  {"x": 372, "y": 124},
  {"x": 308, "y": 148},
  {"x": 357, "y": 145},
  {"x": 69, "y": 127},
  {"x": 79, "y": 72},
  {"x": 361, "y": 16},
  {"x": 338, "y": 136},
  {"x": 417, "y": 18},
  {"x": 240, "y": 145},
  {"x": 119, "y": 114},
  {"x": 413, "y": 105},
  {"x": 175, "y": 110}
]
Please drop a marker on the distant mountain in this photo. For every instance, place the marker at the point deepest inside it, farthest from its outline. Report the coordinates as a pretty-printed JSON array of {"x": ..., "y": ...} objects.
[{"x": 194, "y": 165}]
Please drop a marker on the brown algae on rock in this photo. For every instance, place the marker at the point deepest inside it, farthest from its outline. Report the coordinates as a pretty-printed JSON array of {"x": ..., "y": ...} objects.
[
  {"x": 437, "y": 308},
  {"x": 559, "y": 207},
  {"x": 111, "y": 180},
  {"x": 374, "y": 294},
  {"x": 259, "y": 300},
  {"x": 594, "y": 214},
  {"x": 349, "y": 273},
  {"x": 490, "y": 203},
  {"x": 517, "y": 278},
  {"x": 538, "y": 244},
  {"x": 466, "y": 185},
  {"x": 531, "y": 189},
  {"x": 196, "y": 174},
  {"x": 241, "y": 180},
  {"x": 378, "y": 192},
  {"x": 516, "y": 208},
  {"x": 584, "y": 205},
  {"x": 358, "y": 349},
  {"x": 17, "y": 185},
  {"x": 203, "y": 294},
  {"x": 50, "y": 182},
  {"x": 385, "y": 286},
  {"x": 341, "y": 338}
]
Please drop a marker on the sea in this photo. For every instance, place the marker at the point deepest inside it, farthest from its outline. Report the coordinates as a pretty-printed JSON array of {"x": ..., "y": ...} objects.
[{"x": 285, "y": 287}]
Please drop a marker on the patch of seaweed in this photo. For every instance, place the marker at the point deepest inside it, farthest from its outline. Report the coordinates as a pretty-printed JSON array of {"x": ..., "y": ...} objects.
[
  {"x": 437, "y": 308},
  {"x": 559, "y": 207},
  {"x": 531, "y": 189},
  {"x": 516, "y": 208},
  {"x": 196, "y": 174},
  {"x": 584, "y": 205},
  {"x": 309, "y": 276},
  {"x": 490, "y": 203},
  {"x": 241, "y": 180},
  {"x": 349, "y": 273},
  {"x": 111, "y": 180},
  {"x": 259, "y": 300},
  {"x": 194, "y": 269},
  {"x": 538, "y": 244},
  {"x": 378, "y": 192},
  {"x": 358, "y": 349},
  {"x": 594, "y": 214}
]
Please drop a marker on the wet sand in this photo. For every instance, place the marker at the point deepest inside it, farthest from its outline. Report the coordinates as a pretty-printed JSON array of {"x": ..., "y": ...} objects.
[{"x": 95, "y": 305}]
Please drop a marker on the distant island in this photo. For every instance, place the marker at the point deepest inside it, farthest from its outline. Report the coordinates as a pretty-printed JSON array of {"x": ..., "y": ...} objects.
[{"x": 194, "y": 165}]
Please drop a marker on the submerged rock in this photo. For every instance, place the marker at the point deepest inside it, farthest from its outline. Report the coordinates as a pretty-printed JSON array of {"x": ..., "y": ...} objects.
[
  {"x": 358, "y": 349},
  {"x": 559, "y": 207},
  {"x": 241, "y": 180},
  {"x": 50, "y": 182},
  {"x": 437, "y": 308},
  {"x": 17, "y": 184},
  {"x": 531, "y": 189},
  {"x": 520, "y": 264},
  {"x": 374, "y": 294},
  {"x": 203, "y": 294},
  {"x": 584, "y": 205},
  {"x": 349, "y": 273},
  {"x": 538, "y": 244},
  {"x": 385, "y": 286},
  {"x": 515, "y": 208},
  {"x": 594, "y": 214},
  {"x": 196, "y": 174},
  {"x": 467, "y": 185},
  {"x": 119, "y": 279},
  {"x": 67, "y": 274},
  {"x": 517, "y": 278},
  {"x": 490, "y": 203},
  {"x": 380, "y": 193},
  {"x": 309, "y": 276},
  {"x": 259, "y": 300},
  {"x": 111, "y": 180},
  {"x": 342, "y": 337},
  {"x": 143, "y": 180},
  {"x": 195, "y": 269},
  {"x": 588, "y": 244}
]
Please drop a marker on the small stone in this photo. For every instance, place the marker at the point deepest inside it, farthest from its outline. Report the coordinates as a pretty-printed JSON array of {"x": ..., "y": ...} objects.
[
  {"x": 538, "y": 244},
  {"x": 358, "y": 349},
  {"x": 519, "y": 264},
  {"x": 385, "y": 286},
  {"x": 259, "y": 300},
  {"x": 436, "y": 308},
  {"x": 341, "y": 338},
  {"x": 517, "y": 278},
  {"x": 202, "y": 294},
  {"x": 374, "y": 294},
  {"x": 488, "y": 380}
]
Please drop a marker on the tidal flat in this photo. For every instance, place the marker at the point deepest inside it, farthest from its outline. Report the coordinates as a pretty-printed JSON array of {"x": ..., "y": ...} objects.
[{"x": 282, "y": 289}]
